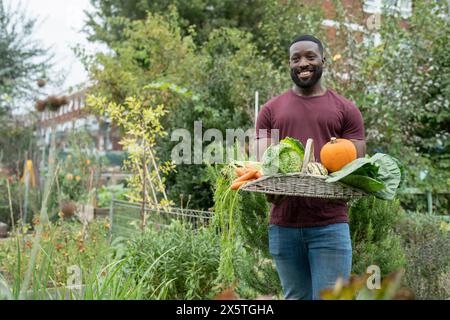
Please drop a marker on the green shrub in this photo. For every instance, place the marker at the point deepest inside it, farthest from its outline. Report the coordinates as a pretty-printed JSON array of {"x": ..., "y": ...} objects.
[
  {"x": 187, "y": 265},
  {"x": 374, "y": 241},
  {"x": 105, "y": 194},
  {"x": 256, "y": 275},
  {"x": 427, "y": 247}
]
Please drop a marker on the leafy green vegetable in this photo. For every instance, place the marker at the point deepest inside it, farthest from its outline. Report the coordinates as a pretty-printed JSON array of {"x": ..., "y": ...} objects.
[
  {"x": 285, "y": 157},
  {"x": 363, "y": 182},
  {"x": 389, "y": 174},
  {"x": 350, "y": 168},
  {"x": 294, "y": 143},
  {"x": 380, "y": 175}
]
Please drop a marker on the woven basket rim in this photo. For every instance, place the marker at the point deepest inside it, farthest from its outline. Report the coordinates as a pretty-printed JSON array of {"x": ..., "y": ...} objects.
[{"x": 356, "y": 192}]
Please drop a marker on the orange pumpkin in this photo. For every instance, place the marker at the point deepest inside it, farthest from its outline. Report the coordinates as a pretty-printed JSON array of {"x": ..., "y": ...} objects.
[{"x": 337, "y": 153}]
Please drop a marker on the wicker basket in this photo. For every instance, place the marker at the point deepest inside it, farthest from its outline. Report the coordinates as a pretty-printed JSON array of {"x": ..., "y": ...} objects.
[{"x": 302, "y": 184}]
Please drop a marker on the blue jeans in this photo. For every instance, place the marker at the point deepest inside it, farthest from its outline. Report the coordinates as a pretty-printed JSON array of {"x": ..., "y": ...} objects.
[{"x": 310, "y": 259}]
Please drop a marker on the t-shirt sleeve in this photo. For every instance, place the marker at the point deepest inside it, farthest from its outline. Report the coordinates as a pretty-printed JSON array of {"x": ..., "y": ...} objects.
[
  {"x": 353, "y": 124},
  {"x": 263, "y": 123}
]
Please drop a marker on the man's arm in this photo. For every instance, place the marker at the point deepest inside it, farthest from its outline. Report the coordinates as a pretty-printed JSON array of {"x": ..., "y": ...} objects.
[{"x": 360, "y": 147}]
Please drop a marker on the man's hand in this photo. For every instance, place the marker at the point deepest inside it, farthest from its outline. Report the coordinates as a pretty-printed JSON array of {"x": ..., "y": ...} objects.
[
  {"x": 276, "y": 199},
  {"x": 360, "y": 146}
]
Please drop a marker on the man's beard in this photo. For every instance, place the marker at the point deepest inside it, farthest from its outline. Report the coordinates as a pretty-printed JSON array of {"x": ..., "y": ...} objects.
[{"x": 308, "y": 83}]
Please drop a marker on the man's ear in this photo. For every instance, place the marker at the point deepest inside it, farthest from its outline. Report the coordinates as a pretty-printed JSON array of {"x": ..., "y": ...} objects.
[{"x": 324, "y": 59}]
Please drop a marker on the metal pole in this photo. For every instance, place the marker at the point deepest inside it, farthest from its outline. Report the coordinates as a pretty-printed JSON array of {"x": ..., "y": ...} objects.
[
  {"x": 27, "y": 191},
  {"x": 256, "y": 106},
  {"x": 11, "y": 207},
  {"x": 429, "y": 202},
  {"x": 42, "y": 164},
  {"x": 111, "y": 215}
]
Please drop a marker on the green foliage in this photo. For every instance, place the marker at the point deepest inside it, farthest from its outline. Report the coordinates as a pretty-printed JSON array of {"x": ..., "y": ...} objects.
[
  {"x": 254, "y": 266},
  {"x": 140, "y": 120},
  {"x": 426, "y": 240},
  {"x": 78, "y": 169},
  {"x": 242, "y": 220},
  {"x": 256, "y": 274},
  {"x": 24, "y": 59},
  {"x": 16, "y": 196},
  {"x": 280, "y": 23},
  {"x": 372, "y": 223},
  {"x": 203, "y": 15},
  {"x": 223, "y": 75},
  {"x": 187, "y": 265},
  {"x": 226, "y": 220},
  {"x": 254, "y": 221},
  {"x": 16, "y": 141},
  {"x": 62, "y": 244},
  {"x": 400, "y": 85},
  {"x": 151, "y": 50},
  {"x": 106, "y": 193},
  {"x": 406, "y": 95}
]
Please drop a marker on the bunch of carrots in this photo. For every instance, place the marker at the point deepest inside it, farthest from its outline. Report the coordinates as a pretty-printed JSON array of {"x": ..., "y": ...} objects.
[{"x": 244, "y": 175}]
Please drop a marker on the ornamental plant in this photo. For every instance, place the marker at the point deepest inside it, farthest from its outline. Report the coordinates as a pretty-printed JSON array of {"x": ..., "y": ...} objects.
[{"x": 140, "y": 120}]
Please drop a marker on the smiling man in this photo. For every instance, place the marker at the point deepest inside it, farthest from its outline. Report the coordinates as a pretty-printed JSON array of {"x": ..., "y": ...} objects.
[{"x": 309, "y": 238}]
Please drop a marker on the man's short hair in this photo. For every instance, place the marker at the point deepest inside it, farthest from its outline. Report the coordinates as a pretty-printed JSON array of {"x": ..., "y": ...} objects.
[{"x": 307, "y": 37}]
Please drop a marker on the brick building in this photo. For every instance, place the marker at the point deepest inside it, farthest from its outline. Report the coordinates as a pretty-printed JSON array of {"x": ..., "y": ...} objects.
[{"x": 74, "y": 115}]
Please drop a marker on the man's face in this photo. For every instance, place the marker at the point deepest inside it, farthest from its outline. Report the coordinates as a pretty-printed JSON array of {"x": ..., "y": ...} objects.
[{"x": 306, "y": 63}]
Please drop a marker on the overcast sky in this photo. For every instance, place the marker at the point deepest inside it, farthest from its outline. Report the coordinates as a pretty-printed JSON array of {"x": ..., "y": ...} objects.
[{"x": 59, "y": 28}]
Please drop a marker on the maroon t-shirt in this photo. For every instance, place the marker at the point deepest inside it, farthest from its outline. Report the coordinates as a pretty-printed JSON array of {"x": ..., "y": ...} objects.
[{"x": 319, "y": 118}]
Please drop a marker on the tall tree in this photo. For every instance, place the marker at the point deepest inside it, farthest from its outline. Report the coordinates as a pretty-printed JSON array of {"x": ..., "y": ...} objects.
[
  {"x": 104, "y": 23},
  {"x": 24, "y": 60}
]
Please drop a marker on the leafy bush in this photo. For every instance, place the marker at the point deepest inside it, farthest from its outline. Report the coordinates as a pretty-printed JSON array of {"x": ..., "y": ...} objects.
[
  {"x": 256, "y": 274},
  {"x": 78, "y": 168},
  {"x": 187, "y": 265},
  {"x": 374, "y": 241},
  {"x": 427, "y": 247},
  {"x": 105, "y": 194}
]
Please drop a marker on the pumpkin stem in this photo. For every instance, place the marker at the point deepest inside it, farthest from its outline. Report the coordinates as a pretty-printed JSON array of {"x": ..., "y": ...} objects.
[{"x": 333, "y": 140}]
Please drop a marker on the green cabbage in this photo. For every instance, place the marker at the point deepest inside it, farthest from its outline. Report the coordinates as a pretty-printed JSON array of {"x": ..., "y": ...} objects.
[{"x": 285, "y": 157}]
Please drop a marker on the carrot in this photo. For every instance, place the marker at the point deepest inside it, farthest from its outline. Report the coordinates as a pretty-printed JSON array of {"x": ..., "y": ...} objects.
[
  {"x": 258, "y": 174},
  {"x": 249, "y": 166},
  {"x": 240, "y": 171},
  {"x": 246, "y": 176},
  {"x": 237, "y": 185}
]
